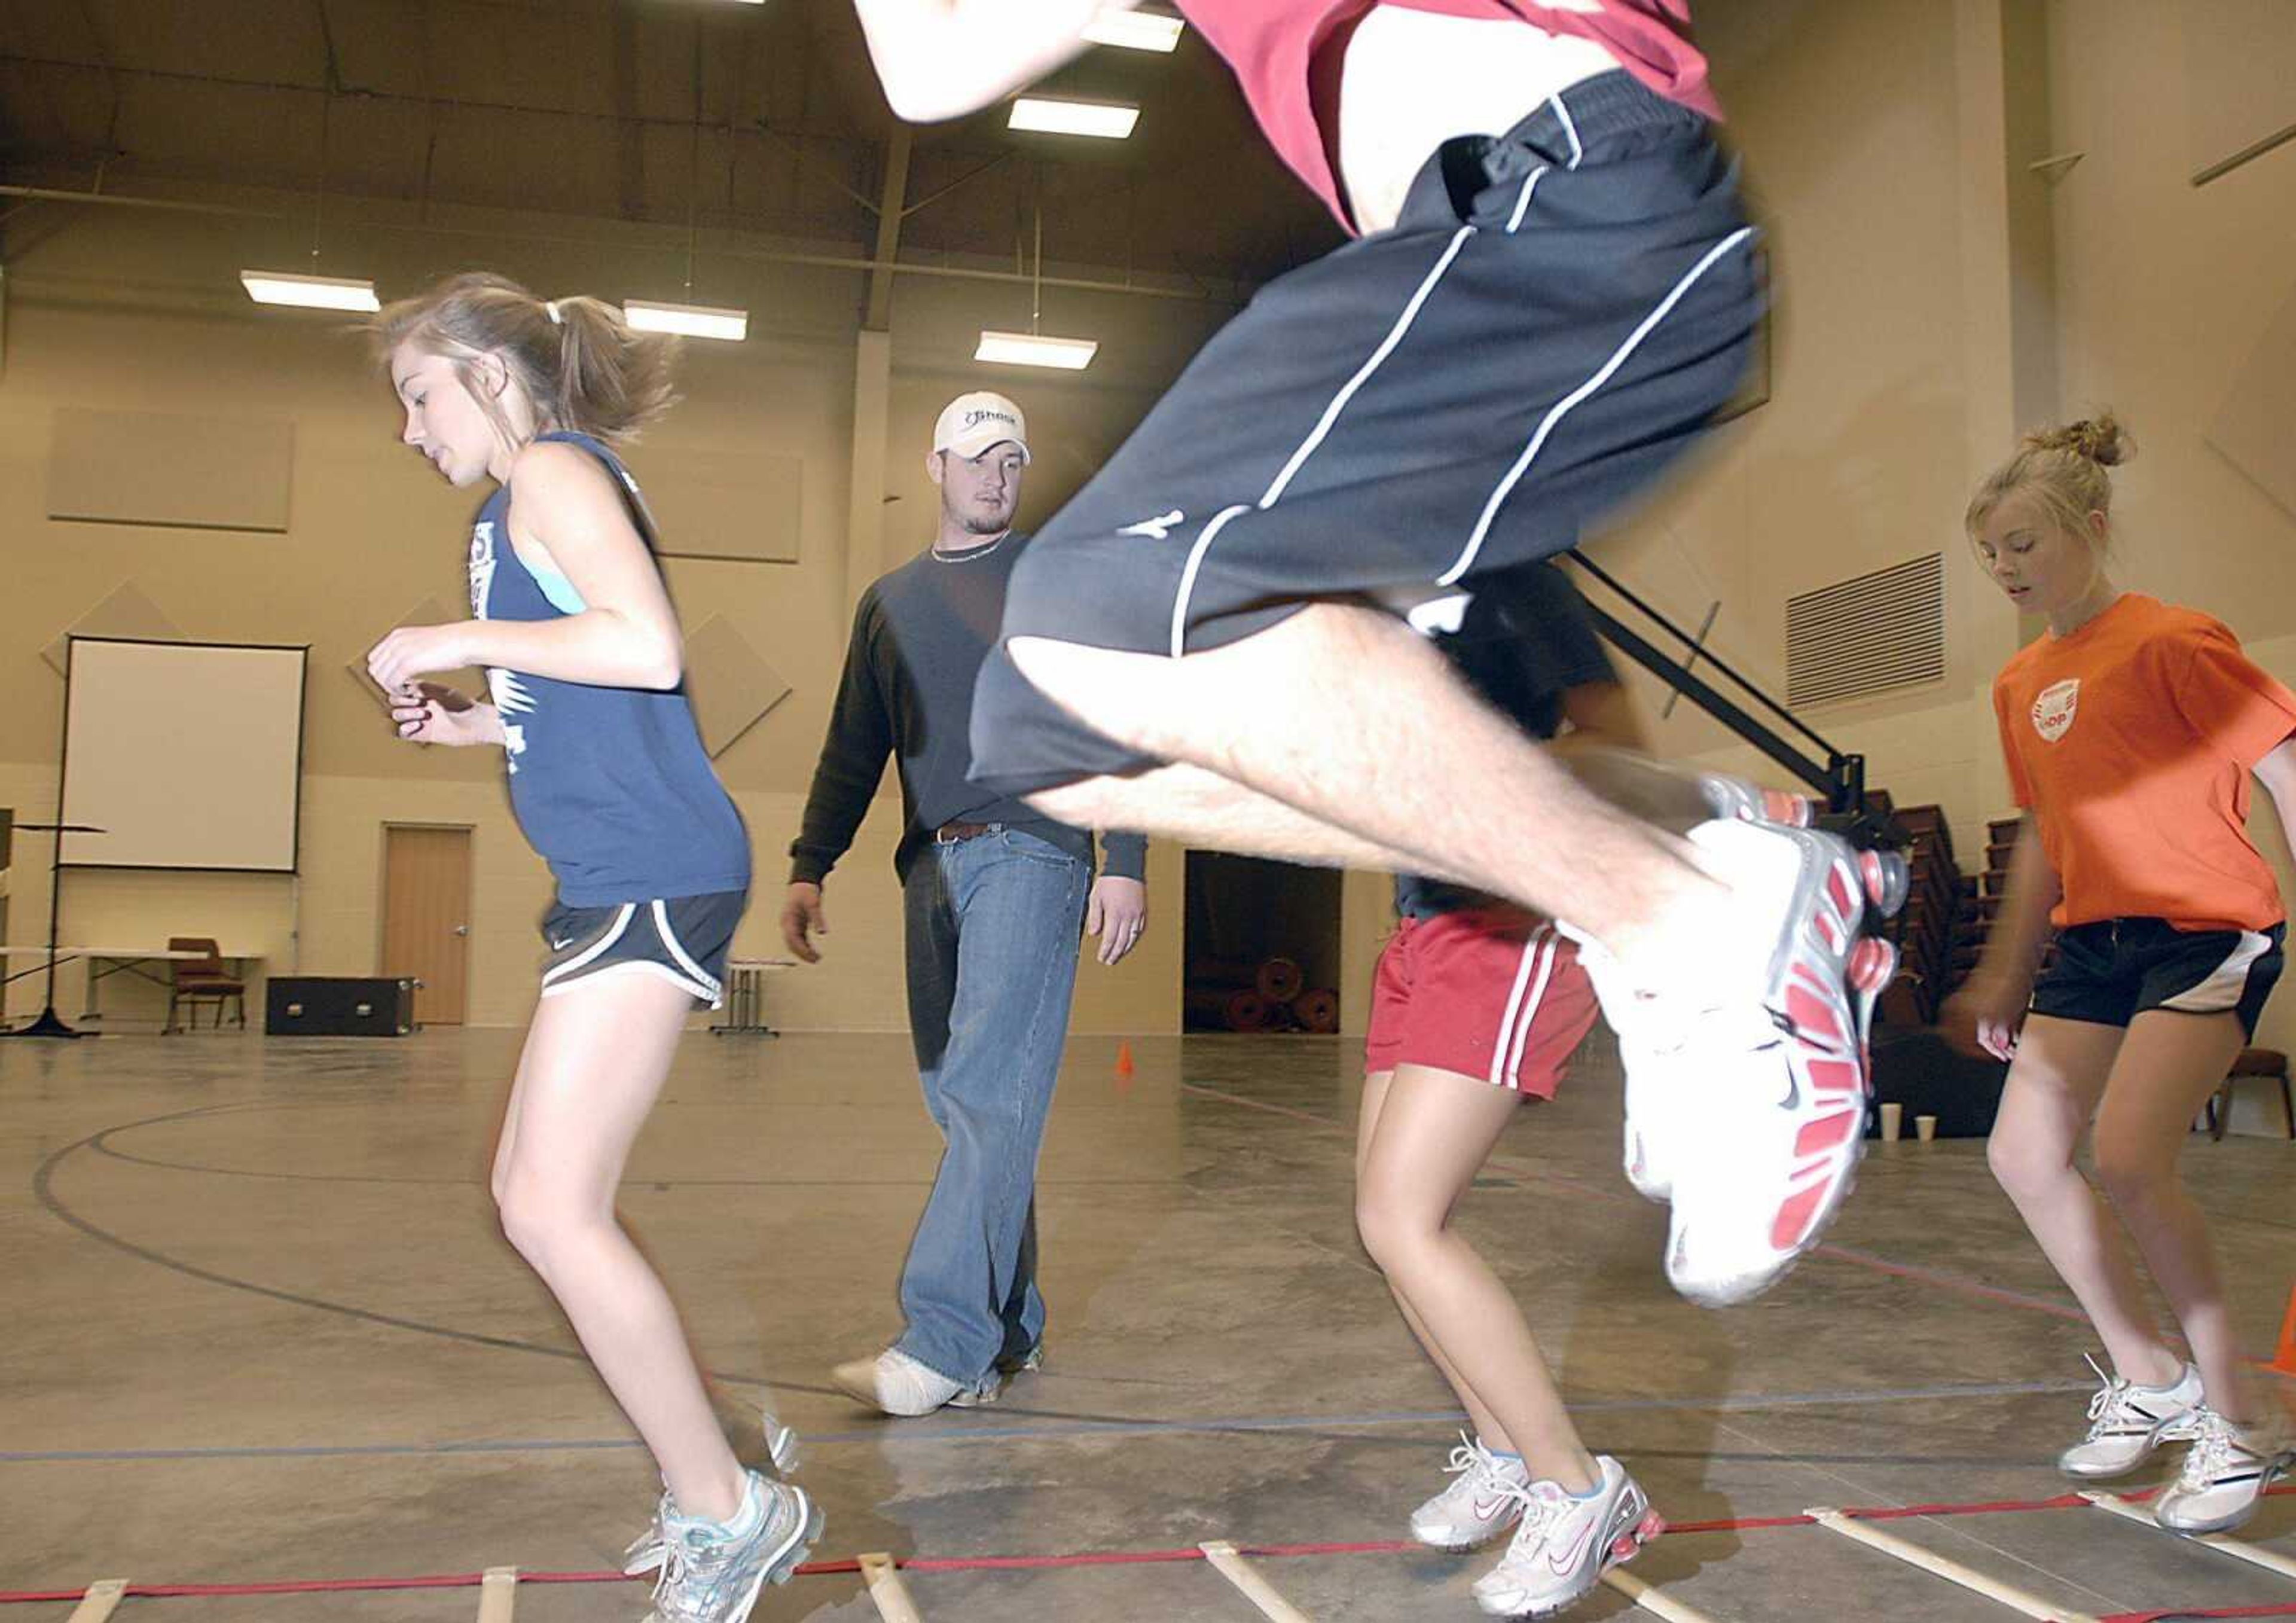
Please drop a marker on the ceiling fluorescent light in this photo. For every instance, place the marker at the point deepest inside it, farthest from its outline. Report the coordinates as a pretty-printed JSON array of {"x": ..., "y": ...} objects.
[
  {"x": 1028, "y": 349},
  {"x": 1134, "y": 30},
  {"x": 1105, "y": 119},
  {"x": 309, "y": 292},
  {"x": 688, "y": 320}
]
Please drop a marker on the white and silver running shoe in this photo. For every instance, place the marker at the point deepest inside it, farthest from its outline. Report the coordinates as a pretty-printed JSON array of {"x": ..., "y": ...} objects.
[
  {"x": 646, "y": 1549},
  {"x": 2127, "y": 1423},
  {"x": 712, "y": 1574},
  {"x": 1565, "y": 1545},
  {"x": 1483, "y": 1502},
  {"x": 2226, "y": 1471}
]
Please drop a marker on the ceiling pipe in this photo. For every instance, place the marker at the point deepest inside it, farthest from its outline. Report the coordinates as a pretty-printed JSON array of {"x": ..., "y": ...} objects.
[{"x": 769, "y": 256}]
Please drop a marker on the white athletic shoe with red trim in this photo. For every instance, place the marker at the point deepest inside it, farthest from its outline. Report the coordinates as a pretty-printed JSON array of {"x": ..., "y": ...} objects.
[
  {"x": 1772, "y": 1073},
  {"x": 1480, "y": 1503},
  {"x": 1564, "y": 1545},
  {"x": 1650, "y": 1109}
]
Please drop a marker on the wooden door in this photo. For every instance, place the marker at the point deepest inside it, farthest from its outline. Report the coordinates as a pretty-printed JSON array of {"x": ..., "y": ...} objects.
[{"x": 426, "y": 917}]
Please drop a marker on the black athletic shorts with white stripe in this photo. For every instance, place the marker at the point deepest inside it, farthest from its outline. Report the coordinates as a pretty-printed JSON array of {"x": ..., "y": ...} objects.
[
  {"x": 683, "y": 940},
  {"x": 2110, "y": 971},
  {"x": 1554, "y": 317}
]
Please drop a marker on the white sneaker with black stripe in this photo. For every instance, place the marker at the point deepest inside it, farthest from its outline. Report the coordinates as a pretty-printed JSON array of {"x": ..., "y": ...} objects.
[
  {"x": 2127, "y": 1423},
  {"x": 2226, "y": 1473}
]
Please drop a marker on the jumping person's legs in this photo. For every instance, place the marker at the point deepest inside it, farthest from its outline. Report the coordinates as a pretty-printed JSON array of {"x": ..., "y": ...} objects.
[
  {"x": 595, "y": 1060},
  {"x": 1556, "y": 316},
  {"x": 1384, "y": 767}
]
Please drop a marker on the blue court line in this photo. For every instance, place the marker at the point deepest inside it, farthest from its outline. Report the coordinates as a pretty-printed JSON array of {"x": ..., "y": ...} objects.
[{"x": 881, "y": 1435}]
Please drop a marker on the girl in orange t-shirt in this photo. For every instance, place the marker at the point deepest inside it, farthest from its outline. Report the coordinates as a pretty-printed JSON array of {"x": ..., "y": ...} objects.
[{"x": 2131, "y": 730}]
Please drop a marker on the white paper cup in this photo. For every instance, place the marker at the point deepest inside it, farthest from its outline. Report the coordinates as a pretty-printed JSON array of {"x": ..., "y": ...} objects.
[
  {"x": 1925, "y": 1127},
  {"x": 1893, "y": 1116}
]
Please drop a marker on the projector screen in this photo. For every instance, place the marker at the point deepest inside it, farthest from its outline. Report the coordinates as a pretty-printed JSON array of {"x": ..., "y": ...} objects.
[{"x": 187, "y": 755}]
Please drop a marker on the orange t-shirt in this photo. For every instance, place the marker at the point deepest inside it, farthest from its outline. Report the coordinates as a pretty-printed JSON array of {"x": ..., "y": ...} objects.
[{"x": 2131, "y": 742}]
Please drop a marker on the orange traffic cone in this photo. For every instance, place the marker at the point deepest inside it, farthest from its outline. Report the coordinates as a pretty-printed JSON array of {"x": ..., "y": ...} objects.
[
  {"x": 1124, "y": 1063},
  {"x": 2283, "y": 1356}
]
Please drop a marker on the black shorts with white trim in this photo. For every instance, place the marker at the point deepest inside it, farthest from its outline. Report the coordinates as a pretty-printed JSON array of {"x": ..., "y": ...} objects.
[
  {"x": 683, "y": 940},
  {"x": 2112, "y": 970},
  {"x": 1554, "y": 317}
]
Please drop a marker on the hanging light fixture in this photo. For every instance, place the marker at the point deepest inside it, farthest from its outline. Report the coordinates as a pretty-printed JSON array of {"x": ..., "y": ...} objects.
[
  {"x": 1032, "y": 348},
  {"x": 692, "y": 319},
  {"x": 1134, "y": 30},
  {"x": 309, "y": 291},
  {"x": 1108, "y": 121}
]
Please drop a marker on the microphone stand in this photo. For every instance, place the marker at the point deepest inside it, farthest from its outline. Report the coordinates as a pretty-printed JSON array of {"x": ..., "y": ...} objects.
[{"x": 50, "y": 1023}]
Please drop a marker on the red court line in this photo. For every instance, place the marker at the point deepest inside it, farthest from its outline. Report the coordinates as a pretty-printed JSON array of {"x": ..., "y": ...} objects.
[{"x": 1120, "y": 1558}]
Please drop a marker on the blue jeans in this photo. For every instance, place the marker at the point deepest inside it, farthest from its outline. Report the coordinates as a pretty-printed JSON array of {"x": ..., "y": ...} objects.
[{"x": 992, "y": 930}]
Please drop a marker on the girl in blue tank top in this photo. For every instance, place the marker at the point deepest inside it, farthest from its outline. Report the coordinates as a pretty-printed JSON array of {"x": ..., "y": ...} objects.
[{"x": 610, "y": 782}]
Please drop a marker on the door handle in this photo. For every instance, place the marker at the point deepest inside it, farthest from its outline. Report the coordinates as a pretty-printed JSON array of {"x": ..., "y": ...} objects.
[{"x": 462, "y": 930}]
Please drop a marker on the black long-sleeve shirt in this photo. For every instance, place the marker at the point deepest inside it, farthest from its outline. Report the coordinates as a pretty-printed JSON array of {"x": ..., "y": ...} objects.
[{"x": 920, "y": 635}]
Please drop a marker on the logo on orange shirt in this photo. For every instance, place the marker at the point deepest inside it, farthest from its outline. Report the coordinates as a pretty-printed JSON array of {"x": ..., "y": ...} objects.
[{"x": 2053, "y": 711}]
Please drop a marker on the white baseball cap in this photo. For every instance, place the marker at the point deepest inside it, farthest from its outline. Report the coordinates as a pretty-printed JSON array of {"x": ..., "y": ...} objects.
[{"x": 971, "y": 423}]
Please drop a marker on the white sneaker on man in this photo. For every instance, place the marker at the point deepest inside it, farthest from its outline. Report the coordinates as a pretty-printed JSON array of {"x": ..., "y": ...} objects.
[
  {"x": 894, "y": 1383},
  {"x": 2226, "y": 1471},
  {"x": 1768, "y": 1068},
  {"x": 1565, "y": 1544},
  {"x": 1650, "y": 1108},
  {"x": 2127, "y": 1423},
  {"x": 1481, "y": 1502}
]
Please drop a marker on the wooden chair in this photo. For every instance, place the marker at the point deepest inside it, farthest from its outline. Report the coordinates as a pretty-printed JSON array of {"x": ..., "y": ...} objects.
[
  {"x": 2252, "y": 1062},
  {"x": 195, "y": 981}
]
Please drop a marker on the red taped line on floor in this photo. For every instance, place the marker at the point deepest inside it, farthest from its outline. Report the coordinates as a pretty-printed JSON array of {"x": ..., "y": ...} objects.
[{"x": 1123, "y": 1558}]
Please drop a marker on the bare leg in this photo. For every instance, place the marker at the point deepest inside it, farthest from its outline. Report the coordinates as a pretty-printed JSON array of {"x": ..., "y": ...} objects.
[
  {"x": 2058, "y": 1076},
  {"x": 1434, "y": 1131},
  {"x": 1345, "y": 714},
  {"x": 595, "y": 1060},
  {"x": 1488, "y": 1429},
  {"x": 2168, "y": 1067}
]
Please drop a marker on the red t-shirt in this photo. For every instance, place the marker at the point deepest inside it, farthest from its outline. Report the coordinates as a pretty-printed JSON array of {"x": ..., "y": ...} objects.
[
  {"x": 2131, "y": 742},
  {"x": 1273, "y": 45}
]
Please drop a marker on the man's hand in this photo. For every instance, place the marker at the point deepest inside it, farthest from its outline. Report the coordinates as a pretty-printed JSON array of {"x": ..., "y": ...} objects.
[
  {"x": 1985, "y": 1015},
  {"x": 801, "y": 916},
  {"x": 1117, "y": 913}
]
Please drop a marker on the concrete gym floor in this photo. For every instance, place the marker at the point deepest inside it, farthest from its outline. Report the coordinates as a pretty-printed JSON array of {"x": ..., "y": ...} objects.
[{"x": 261, "y": 1326}]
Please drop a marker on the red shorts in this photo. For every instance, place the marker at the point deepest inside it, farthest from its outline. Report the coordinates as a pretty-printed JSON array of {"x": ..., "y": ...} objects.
[{"x": 1490, "y": 993}]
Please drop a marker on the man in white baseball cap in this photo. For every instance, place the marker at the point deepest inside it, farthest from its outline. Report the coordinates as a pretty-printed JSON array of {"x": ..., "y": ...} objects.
[
  {"x": 988, "y": 882},
  {"x": 971, "y": 423}
]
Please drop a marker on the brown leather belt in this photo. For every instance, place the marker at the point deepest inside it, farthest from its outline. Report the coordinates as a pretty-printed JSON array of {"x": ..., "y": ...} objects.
[{"x": 950, "y": 834}]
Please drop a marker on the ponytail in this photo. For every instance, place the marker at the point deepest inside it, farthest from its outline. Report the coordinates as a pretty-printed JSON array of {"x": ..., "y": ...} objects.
[{"x": 580, "y": 365}]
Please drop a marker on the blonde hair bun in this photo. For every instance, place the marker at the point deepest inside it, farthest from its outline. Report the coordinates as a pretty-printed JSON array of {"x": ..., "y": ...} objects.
[{"x": 2100, "y": 439}]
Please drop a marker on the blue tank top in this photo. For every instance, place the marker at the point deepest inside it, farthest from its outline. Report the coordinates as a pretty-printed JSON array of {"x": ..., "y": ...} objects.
[{"x": 609, "y": 784}]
